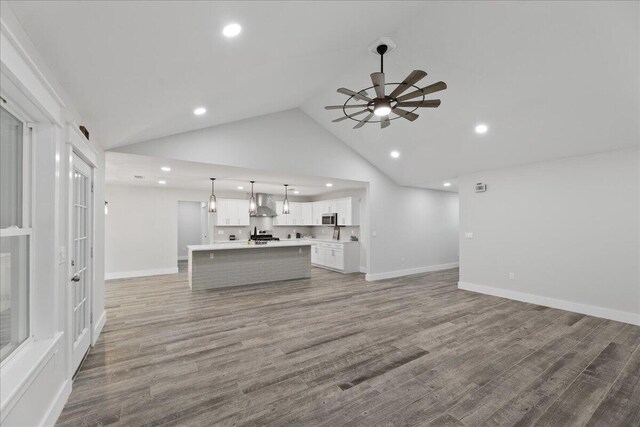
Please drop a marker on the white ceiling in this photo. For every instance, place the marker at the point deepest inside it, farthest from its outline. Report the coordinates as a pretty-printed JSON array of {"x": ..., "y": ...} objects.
[
  {"x": 137, "y": 69},
  {"x": 551, "y": 79},
  {"x": 121, "y": 169}
]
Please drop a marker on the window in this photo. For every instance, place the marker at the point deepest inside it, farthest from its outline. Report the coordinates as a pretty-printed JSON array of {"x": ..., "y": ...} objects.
[{"x": 15, "y": 233}]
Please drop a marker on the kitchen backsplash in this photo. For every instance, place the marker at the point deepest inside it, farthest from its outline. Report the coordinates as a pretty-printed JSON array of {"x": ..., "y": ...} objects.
[{"x": 318, "y": 232}]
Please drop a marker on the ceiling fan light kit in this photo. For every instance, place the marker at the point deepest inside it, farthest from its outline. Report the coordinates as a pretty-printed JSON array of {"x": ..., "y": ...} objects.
[{"x": 394, "y": 103}]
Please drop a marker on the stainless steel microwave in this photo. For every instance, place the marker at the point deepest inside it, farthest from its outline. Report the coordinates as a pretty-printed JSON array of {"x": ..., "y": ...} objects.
[{"x": 330, "y": 219}]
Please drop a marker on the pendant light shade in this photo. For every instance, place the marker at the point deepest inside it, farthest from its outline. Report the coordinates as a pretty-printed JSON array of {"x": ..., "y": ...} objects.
[
  {"x": 253, "y": 207},
  {"x": 213, "y": 204},
  {"x": 285, "y": 203}
]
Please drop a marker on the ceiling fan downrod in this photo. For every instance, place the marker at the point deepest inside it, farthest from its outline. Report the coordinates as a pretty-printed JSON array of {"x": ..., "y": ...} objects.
[{"x": 382, "y": 49}]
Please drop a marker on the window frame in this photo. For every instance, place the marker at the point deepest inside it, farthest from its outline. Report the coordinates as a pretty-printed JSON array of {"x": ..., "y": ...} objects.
[{"x": 28, "y": 194}]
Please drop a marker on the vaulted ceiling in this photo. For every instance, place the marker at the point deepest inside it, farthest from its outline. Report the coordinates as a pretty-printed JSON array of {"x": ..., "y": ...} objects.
[{"x": 549, "y": 79}]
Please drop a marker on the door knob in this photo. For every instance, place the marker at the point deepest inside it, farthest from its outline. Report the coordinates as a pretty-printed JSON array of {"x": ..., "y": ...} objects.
[{"x": 75, "y": 278}]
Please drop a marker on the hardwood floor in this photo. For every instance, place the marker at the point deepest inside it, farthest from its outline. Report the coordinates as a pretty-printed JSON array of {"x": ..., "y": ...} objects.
[{"x": 336, "y": 350}]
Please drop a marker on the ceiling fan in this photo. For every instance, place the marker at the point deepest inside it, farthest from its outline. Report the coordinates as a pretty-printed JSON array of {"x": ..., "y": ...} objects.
[{"x": 383, "y": 105}]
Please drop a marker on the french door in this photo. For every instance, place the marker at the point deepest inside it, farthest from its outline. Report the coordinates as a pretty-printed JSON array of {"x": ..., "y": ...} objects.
[{"x": 81, "y": 259}]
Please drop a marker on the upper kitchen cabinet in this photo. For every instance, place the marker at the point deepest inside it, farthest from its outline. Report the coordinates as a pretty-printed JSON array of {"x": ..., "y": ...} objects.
[
  {"x": 299, "y": 214},
  {"x": 310, "y": 213},
  {"x": 348, "y": 210},
  {"x": 304, "y": 213},
  {"x": 232, "y": 212}
]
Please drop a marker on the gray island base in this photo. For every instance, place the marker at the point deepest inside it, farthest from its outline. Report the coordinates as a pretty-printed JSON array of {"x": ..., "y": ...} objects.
[{"x": 224, "y": 265}]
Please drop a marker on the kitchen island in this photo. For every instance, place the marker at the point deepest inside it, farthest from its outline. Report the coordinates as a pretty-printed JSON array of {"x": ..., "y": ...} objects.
[{"x": 222, "y": 265}]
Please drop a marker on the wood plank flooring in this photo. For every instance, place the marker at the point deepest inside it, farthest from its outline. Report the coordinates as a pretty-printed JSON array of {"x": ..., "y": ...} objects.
[{"x": 336, "y": 350}]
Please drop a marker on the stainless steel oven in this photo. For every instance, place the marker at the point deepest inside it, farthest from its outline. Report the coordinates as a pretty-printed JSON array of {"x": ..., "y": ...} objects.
[{"x": 330, "y": 219}]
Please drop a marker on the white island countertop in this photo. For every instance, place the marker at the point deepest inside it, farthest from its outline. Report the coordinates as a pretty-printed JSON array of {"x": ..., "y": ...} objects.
[{"x": 245, "y": 245}]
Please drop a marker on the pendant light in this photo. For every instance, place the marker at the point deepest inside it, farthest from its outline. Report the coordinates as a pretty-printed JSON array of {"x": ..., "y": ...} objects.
[
  {"x": 253, "y": 208},
  {"x": 285, "y": 203},
  {"x": 213, "y": 204}
]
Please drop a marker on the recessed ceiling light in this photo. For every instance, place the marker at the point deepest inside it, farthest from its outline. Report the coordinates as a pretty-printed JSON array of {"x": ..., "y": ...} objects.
[
  {"x": 447, "y": 184},
  {"x": 162, "y": 181},
  {"x": 232, "y": 30},
  {"x": 482, "y": 128},
  {"x": 395, "y": 154},
  {"x": 199, "y": 111},
  {"x": 241, "y": 188},
  {"x": 328, "y": 184},
  {"x": 165, "y": 169},
  {"x": 296, "y": 192}
]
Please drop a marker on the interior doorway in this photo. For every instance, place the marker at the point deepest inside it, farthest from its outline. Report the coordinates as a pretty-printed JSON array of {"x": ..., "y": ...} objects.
[{"x": 192, "y": 226}]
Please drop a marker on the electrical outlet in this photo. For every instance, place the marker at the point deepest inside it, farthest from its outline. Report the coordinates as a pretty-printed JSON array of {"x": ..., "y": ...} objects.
[
  {"x": 468, "y": 235},
  {"x": 210, "y": 256},
  {"x": 374, "y": 234},
  {"x": 239, "y": 231},
  {"x": 220, "y": 232},
  {"x": 512, "y": 276}
]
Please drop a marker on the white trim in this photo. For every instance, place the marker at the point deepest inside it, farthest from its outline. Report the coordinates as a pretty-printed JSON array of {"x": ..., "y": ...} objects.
[
  {"x": 23, "y": 72},
  {"x": 81, "y": 145},
  {"x": 57, "y": 405},
  {"x": 140, "y": 273},
  {"x": 591, "y": 310},
  {"x": 399, "y": 273},
  {"x": 13, "y": 232},
  {"x": 97, "y": 327},
  {"x": 23, "y": 369},
  {"x": 363, "y": 269}
]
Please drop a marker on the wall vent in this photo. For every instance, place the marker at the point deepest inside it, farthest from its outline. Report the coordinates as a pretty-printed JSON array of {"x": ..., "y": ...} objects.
[{"x": 481, "y": 187}]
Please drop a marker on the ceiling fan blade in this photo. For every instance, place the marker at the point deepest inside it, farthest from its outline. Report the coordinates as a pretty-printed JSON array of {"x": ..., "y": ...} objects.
[
  {"x": 384, "y": 122},
  {"x": 433, "y": 103},
  {"x": 405, "y": 114},
  {"x": 363, "y": 121},
  {"x": 356, "y": 95},
  {"x": 436, "y": 87},
  {"x": 340, "y": 107},
  {"x": 413, "y": 78},
  {"x": 378, "y": 84},
  {"x": 339, "y": 119}
]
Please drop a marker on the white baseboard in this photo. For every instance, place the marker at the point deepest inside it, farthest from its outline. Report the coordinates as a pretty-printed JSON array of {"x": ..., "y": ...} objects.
[
  {"x": 58, "y": 405},
  {"x": 363, "y": 269},
  {"x": 605, "y": 313},
  {"x": 399, "y": 273},
  {"x": 97, "y": 327},
  {"x": 140, "y": 273}
]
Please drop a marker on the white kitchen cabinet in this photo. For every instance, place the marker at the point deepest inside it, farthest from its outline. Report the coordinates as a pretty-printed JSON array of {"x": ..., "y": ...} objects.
[
  {"x": 348, "y": 211},
  {"x": 339, "y": 256},
  {"x": 232, "y": 212},
  {"x": 317, "y": 210},
  {"x": 310, "y": 213},
  {"x": 242, "y": 213},
  {"x": 305, "y": 213},
  {"x": 294, "y": 217},
  {"x": 318, "y": 255}
]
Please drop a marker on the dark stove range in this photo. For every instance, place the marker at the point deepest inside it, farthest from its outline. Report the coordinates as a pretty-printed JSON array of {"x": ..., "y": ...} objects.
[{"x": 262, "y": 237}]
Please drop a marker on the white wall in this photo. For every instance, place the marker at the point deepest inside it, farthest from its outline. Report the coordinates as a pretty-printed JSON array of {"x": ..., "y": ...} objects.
[
  {"x": 567, "y": 229},
  {"x": 190, "y": 230},
  {"x": 415, "y": 229},
  {"x": 142, "y": 229},
  {"x": 36, "y": 380}
]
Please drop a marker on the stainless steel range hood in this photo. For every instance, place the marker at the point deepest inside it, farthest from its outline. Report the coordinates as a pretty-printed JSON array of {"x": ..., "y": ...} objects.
[{"x": 266, "y": 205}]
